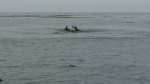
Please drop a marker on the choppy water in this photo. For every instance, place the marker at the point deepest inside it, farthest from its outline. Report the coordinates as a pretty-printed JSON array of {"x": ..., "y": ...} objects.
[{"x": 112, "y": 48}]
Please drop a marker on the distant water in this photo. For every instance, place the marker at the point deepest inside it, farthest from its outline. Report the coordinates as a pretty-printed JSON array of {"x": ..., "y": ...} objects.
[{"x": 111, "y": 48}]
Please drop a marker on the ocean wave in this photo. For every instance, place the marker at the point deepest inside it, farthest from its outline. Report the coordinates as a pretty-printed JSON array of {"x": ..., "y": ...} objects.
[{"x": 43, "y": 16}]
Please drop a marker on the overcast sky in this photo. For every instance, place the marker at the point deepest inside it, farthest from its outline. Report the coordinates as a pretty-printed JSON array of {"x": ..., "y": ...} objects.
[{"x": 74, "y": 5}]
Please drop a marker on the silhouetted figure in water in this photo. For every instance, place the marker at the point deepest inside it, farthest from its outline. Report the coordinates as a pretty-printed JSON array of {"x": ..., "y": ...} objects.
[
  {"x": 75, "y": 27},
  {"x": 66, "y": 28},
  {"x": 1, "y": 80}
]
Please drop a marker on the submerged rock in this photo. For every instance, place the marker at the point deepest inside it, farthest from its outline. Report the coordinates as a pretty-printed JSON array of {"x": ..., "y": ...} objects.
[
  {"x": 1, "y": 80},
  {"x": 72, "y": 65}
]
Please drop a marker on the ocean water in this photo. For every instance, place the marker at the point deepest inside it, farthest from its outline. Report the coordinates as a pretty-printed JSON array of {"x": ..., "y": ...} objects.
[{"x": 110, "y": 48}]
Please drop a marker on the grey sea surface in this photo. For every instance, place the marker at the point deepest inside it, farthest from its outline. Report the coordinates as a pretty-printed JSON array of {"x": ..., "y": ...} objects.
[{"x": 110, "y": 48}]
